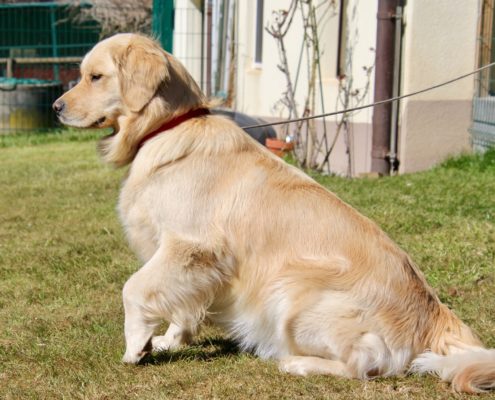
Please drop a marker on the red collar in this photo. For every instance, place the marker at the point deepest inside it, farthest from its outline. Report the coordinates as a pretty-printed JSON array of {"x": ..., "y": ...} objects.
[{"x": 173, "y": 123}]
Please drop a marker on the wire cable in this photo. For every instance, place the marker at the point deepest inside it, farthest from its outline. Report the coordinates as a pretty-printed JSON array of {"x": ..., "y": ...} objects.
[{"x": 349, "y": 110}]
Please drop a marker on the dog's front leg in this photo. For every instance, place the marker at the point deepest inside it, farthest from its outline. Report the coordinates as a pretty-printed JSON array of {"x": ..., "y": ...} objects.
[
  {"x": 177, "y": 284},
  {"x": 140, "y": 321},
  {"x": 174, "y": 338}
]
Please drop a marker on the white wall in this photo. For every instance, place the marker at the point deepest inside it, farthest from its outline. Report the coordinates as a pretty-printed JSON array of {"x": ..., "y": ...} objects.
[{"x": 439, "y": 44}]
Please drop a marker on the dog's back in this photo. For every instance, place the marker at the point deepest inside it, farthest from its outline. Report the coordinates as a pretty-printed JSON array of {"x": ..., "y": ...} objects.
[{"x": 311, "y": 276}]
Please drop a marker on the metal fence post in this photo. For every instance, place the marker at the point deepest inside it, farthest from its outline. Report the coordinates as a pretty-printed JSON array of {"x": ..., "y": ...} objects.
[
  {"x": 162, "y": 23},
  {"x": 53, "y": 31}
]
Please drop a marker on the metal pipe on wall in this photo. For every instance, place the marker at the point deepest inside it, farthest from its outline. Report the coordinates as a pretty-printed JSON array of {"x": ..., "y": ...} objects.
[
  {"x": 394, "y": 121},
  {"x": 384, "y": 61}
]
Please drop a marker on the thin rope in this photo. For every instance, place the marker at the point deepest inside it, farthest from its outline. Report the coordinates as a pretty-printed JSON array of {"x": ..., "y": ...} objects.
[{"x": 349, "y": 110}]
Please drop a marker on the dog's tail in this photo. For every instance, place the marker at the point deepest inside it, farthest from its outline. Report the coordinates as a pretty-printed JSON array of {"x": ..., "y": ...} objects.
[
  {"x": 457, "y": 356},
  {"x": 471, "y": 371}
]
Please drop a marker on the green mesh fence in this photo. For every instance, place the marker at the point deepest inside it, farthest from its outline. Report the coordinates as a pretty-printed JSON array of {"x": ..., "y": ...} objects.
[{"x": 41, "y": 46}]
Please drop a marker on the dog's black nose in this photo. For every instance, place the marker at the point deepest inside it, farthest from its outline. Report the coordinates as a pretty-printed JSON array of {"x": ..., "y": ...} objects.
[{"x": 58, "y": 106}]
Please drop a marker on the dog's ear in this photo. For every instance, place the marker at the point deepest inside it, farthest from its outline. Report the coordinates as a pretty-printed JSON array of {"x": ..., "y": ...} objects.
[{"x": 142, "y": 67}]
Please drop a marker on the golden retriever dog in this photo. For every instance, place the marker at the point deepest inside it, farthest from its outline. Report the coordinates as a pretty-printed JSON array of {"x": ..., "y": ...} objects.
[{"x": 228, "y": 232}]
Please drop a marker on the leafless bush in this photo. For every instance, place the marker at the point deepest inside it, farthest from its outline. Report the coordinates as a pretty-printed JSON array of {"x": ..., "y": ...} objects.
[
  {"x": 312, "y": 150},
  {"x": 112, "y": 15},
  {"x": 307, "y": 145}
]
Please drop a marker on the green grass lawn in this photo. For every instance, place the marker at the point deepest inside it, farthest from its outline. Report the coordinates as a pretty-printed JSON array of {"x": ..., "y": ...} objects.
[{"x": 64, "y": 260}]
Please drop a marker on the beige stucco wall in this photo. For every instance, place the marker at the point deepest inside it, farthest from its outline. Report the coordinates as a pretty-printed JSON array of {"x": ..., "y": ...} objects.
[{"x": 439, "y": 44}]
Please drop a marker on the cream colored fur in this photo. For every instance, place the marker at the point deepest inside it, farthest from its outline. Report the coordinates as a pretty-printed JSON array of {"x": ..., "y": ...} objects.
[{"x": 228, "y": 232}]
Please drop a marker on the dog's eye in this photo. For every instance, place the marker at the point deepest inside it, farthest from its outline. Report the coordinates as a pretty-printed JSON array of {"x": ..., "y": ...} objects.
[{"x": 95, "y": 77}]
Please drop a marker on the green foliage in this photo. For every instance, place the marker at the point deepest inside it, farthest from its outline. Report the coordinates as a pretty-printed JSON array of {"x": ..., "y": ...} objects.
[
  {"x": 29, "y": 138},
  {"x": 64, "y": 260},
  {"x": 479, "y": 162}
]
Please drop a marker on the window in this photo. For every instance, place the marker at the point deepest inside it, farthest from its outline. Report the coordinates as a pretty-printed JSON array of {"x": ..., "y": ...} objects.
[
  {"x": 486, "y": 49},
  {"x": 482, "y": 128}
]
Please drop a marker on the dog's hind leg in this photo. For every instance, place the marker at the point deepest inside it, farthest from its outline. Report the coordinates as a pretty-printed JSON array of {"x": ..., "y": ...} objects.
[{"x": 305, "y": 365}]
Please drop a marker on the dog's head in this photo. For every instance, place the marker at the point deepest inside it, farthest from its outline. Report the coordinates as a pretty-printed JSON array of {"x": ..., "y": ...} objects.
[{"x": 128, "y": 82}]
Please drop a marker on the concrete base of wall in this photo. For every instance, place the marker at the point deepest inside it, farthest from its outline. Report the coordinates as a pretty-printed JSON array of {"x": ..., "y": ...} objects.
[{"x": 431, "y": 131}]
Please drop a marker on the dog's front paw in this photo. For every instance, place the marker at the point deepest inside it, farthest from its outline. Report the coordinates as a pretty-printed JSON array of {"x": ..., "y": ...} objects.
[
  {"x": 293, "y": 366},
  {"x": 164, "y": 343},
  {"x": 133, "y": 358}
]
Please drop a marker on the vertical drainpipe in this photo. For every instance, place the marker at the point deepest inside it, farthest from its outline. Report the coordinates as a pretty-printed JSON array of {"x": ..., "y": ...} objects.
[
  {"x": 384, "y": 68},
  {"x": 394, "y": 123}
]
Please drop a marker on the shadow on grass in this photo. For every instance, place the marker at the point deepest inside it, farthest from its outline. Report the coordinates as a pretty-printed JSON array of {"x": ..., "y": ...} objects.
[{"x": 208, "y": 349}]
